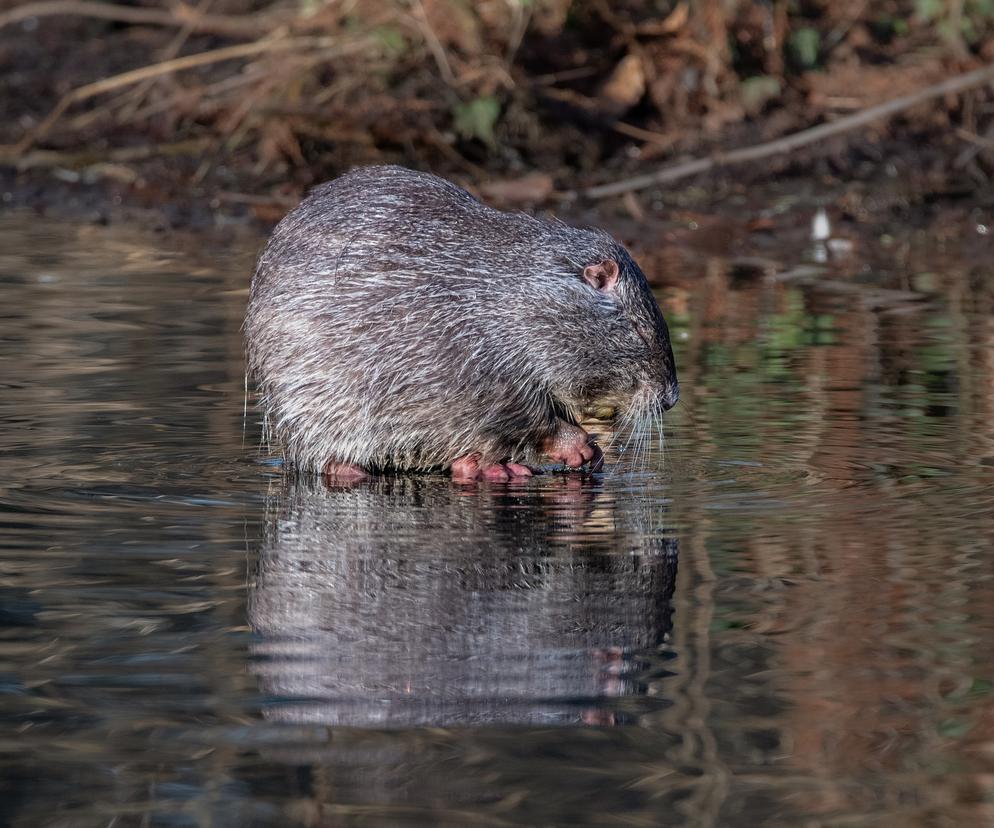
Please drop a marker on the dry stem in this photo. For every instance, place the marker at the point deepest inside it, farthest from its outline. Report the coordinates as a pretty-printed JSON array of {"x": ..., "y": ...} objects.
[
  {"x": 789, "y": 143},
  {"x": 254, "y": 25},
  {"x": 154, "y": 70}
]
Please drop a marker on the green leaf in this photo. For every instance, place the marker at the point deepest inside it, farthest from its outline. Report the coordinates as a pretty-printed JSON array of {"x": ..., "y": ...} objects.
[
  {"x": 981, "y": 8},
  {"x": 926, "y": 10},
  {"x": 954, "y": 728},
  {"x": 981, "y": 687},
  {"x": 804, "y": 45},
  {"x": 756, "y": 92},
  {"x": 391, "y": 39},
  {"x": 924, "y": 282},
  {"x": 478, "y": 118}
]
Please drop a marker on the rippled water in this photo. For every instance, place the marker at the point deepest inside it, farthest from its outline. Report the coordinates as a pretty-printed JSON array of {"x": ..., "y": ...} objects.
[{"x": 784, "y": 617}]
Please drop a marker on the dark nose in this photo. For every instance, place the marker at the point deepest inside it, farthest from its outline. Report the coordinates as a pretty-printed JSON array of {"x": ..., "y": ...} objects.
[{"x": 671, "y": 395}]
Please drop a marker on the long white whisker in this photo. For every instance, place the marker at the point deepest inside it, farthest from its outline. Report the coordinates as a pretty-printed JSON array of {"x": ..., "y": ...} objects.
[
  {"x": 629, "y": 422},
  {"x": 661, "y": 434}
]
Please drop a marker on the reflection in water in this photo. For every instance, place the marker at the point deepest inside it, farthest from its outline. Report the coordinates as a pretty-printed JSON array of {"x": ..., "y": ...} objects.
[{"x": 413, "y": 601}]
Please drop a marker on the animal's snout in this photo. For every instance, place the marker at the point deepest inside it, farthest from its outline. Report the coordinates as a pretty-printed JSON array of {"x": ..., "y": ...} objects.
[{"x": 671, "y": 395}]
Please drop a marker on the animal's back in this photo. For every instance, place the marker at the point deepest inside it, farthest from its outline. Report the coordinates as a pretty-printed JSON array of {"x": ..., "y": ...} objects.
[{"x": 377, "y": 219}]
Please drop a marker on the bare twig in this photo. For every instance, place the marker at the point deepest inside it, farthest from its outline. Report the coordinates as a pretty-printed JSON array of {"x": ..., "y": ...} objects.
[
  {"x": 789, "y": 143},
  {"x": 850, "y": 19},
  {"x": 90, "y": 157},
  {"x": 976, "y": 140},
  {"x": 434, "y": 44},
  {"x": 232, "y": 26},
  {"x": 658, "y": 138},
  {"x": 520, "y": 16},
  {"x": 210, "y": 95},
  {"x": 139, "y": 93},
  {"x": 566, "y": 75}
]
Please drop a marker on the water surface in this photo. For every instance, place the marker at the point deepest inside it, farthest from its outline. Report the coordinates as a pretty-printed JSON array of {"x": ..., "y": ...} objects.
[{"x": 782, "y": 615}]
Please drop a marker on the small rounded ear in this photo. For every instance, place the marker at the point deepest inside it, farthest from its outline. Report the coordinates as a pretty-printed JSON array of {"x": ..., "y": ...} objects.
[{"x": 602, "y": 276}]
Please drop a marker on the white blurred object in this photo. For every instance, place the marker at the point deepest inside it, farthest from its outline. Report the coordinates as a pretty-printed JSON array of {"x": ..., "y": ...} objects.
[
  {"x": 821, "y": 227},
  {"x": 839, "y": 248},
  {"x": 825, "y": 247}
]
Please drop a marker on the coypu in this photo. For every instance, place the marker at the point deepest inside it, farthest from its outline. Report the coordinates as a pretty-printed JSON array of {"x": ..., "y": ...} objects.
[{"x": 394, "y": 321}]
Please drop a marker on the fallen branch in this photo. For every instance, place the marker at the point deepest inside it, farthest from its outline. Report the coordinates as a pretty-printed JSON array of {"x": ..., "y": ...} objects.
[
  {"x": 873, "y": 295},
  {"x": 81, "y": 159},
  {"x": 220, "y": 24},
  {"x": 789, "y": 143}
]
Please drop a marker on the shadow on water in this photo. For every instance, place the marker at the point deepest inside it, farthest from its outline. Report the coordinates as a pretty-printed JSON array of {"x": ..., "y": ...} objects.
[{"x": 190, "y": 637}]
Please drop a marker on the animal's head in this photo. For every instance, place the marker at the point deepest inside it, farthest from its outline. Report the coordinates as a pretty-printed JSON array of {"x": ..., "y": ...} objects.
[{"x": 622, "y": 358}]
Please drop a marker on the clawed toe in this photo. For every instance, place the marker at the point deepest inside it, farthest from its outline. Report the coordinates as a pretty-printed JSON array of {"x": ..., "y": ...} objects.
[
  {"x": 495, "y": 473},
  {"x": 518, "y": 470},
  {"x": 467, "y": 469},
  {"x": 338, "y": 472}
]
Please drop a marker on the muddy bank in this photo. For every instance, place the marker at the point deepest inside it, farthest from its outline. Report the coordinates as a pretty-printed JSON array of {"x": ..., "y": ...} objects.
[{"x": 236, "y": 110}]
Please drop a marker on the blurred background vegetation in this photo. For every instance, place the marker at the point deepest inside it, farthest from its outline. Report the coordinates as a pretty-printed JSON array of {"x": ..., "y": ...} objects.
[{"x": 251, "y": 102}]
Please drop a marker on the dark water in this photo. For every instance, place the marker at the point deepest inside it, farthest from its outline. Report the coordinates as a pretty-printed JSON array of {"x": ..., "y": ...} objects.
[{"x": 783, "y": 617}]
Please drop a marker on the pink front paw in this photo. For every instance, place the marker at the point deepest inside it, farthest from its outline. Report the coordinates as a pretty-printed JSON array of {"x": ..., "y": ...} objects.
[
  {"x": 572, "y": 446},
  {"x": 469, "y": 468}
]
